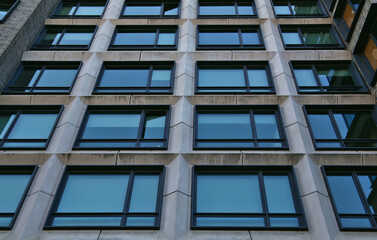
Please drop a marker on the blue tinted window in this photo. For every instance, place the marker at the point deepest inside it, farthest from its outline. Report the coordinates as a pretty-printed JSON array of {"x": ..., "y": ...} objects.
[
  {"x": 221, "y": 77},
  {"x": 217, "y": 10},
  {"x": 305, "y": 77},
  {"x": 282, "y": 10},
  {"x": 144, "y": 193},
  {"x": 80, "y": 9},
  {"x": 156, "y": 9},
  {"x": 291, "y": 38},
  {"x": 219, "y": 38},
  {"x": 229, "y": 8},
  {"x": 142, "y": 10},
  {"x": 76, "y": 39},
  {"x": 135, "y": 38},
  {"x": 279, "y": 194},
  {"x": 250, "y": 38},
  {"x": 321, "y": 126},
  {"x": 124, "y": 78}
]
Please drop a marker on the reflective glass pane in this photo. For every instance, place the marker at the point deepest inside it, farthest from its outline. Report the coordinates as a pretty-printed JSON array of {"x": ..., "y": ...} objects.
[
  {"x": 229, "y": 222},
  {"x": 368, "y": 183},
  {"x": 356, "y": 125},
  {"x": 142, "y": 10},
  {"x": 33, "y": 126},
  {"x": 335, "y": 76},
  {"x": 90, "y": 10},
  {"x": 355, "y": 222},
  {"x": 323, "y": 37},
  {"x": 50, "y": 38},
  {"x": 245, "y": 10},
  {"x": 305, "y": 77},
  {"x": 86, "y": 221},
  {"x": 135, "y": 38},
  {"x": 250, "y": 38},
  {"x": 76, "y": 39},
  {"x": 221, "y": 78},
  {"x": 154, "y": 127},
  {"x": 305, "y": 8},
  {"x": 5, "y": 122},
  {"x": 228, "y": 194},
  {"x": 124, "y": 78},
  {"x": 27, "y": 77},
  {"x": 266, "y": 126},
  {"x": 291, "y": 38},
  {"x": 346, "y": 197},
  {"x": 66, "y": 10},
  {"x": 94, "y": 193},
  {"x": 224, "y": 126},
  {"x": 112, "y": 126},
  {"x": 166, "y": 38},
  {"x": 12, "y": 188},
  {"x": 284, "y": 222},
  {"x": 219, "y": 38},
  {"x": 140, "y": 221},
  {"x": 257, "y": 78},
  {"x": 282, "y": 10},
  {"x": 161, "y": 78},
  {"x": 279, "y": 194},
  {"x": 321, "y": 126},
  {"x": 170, "y": 9},
  {"x": 144, "y": 193},
  {"x": 4, "y": 221},
  {"x": 217, "y": 10},
  {"x": 57, "y": 78}
]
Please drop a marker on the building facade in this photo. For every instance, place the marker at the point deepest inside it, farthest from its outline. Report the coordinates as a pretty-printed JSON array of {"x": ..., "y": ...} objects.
[{"x": 188, "y": 119}]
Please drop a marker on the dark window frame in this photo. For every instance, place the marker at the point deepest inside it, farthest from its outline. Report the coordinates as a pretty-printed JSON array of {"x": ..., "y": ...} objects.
[
  {"x": 141, "y": 29},
  {"x": 339, "y": 45},
  {"x": 219, "y": 109},
  {"x": 14, "y": 6},
  {"x": 60, "y": 5},
  {"x": 43, "y": 65},
  {"x": 255, "y": 170},
  {"x": 352, "y": 171},
  {"x": 58, "y": 109},
  {"x": 108, "y": 170},
  {"x": 234, "y": 2},
  {"x": 242, "y": 65},
  {"x": 136, "y": 65},
  {"x": 15, "y": 170},
  {"x": 63, "y": 29},
  {"x": 163, "y": 2},
  {"x": 328, "y": 109},
  {"x": 110, "y": 109},
  {"x": 349, "y": 64},
  {"x": 231, "y": 28},
  {"x": 320, "y": 5},
  {"x": 345, "y": 31}
]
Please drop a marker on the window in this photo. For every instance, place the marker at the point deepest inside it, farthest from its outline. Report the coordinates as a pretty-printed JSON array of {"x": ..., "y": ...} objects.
[
  {"x": 239, "y": 127},
  {"x": 40, "y": 77},
  {"x": 6, "y": 7},
  {"x": 108, "y": 197},
  {"x": 294, "y": 8},
  {"x": 342, "y": 127},
  {"x": 144, "y": 37},
  {"x": 15, "y": 182},
  {"x": 352, "y": 192},
  {"x": 27, "y": 127},
  {"x": 80, "y": 9},
  {"x": 235, "y": 8},
  {"x": 233, "y": 77},
  {"x": 310, "y": 37},
  {"x": 117, "y": 78},
  {"x": 69, "y": 37},
  {"x": 151, "y": 9},
  {"x": 346, "y": 15},
  {"x": 246, "y": 197},
  {"x": 327, "y": 77},
  {"x": 124, "y": 127},
  {"x": 229, "y": 37}
]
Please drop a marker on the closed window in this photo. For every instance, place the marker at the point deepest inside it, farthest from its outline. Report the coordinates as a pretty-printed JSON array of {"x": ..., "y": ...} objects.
[
  {"x": 80, "y": 9},
  {"x": 108, "y": 197},
  {"x": 229, "y": 37},
  {"x": 299, "y": 9},
  {"x": 6, "y": 7},
  {"x": 39, "y": 78},
  {"x": 236, "y": 8},
  {"x": 151, "y": 38},
  {"x": 241, "y": 127},
  {"x": 124, "y": 127},
  {"x": 352, "y": 191},
  {"x": 246, "y": 197},
  {"x": 343, "y": 127},
  {"x": 310, "y": 37},
  {"x": 15, "y": 182},
  {"x": 27, "y": 127},
  {"x": 153, "y": 9},
  {"x": 233, "y": 77},
  {"x": 59, "y": 37},
  {"x": 157, "y": 77},
  {"x": 328, "y": 77}
]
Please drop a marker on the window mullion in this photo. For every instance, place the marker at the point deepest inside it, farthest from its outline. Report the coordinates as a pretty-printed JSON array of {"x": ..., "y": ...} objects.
[
  {"x": 246, "y": 78},
  {"x": 335, "y": 126},
  {"x": 77, "y": 8},
  {"x": 301, "y": 37},
  {"x": 11, "y": 126},
  {"x": 316, "y": 76},
  {"x": 38, "y": 78},
  {"x": 127, "y": 200},
  {"x": 162, "y": 9},
  {"x": 149, "y": 79},
  {"x": 240, "y": 37},
  {"x": 290, "y": 8},
  {"x": 60, "y": 38},
  {"x": 141, "y": 128},
  {"x": 236, "y": 7},
  {"x": 263, "y": 198},
  {"x": 253, "y": 127},
  {"x": 156, "y": 37}
]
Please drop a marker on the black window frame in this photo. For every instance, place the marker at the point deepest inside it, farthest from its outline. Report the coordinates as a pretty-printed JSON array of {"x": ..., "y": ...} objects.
[
  {"x": 242, "y": 65},
  {"x": 320, "y": 6},
  {"x": 255, "y": 170},
  {"x": 60, "y": 5},
  {"x": 328, "y": 109},
  {"x": 352, "y": 171},
  {"x": 14, "y": 6},
  {"x": 145, "y": 3},
  {"x": 136, "y": 65},
  {"x": 58, "y": 109},
  {"x": 108, "y": 170},
  {"x": 339, "y": 45},
  {"x": 219, "y": 109},
  {"x": 110, "y": 109},
  {"x": 141, "y": 29},
  {"x": 361, "y": 88},
  {"x": 234, "y": 2},
  {"x": 231, "y": 28},
  {"x": 15, "y": 170},
  {"x": 63, "y": 29},
  {"x": 345, "y": 31},
  {"x": 43, "y": 65}
]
